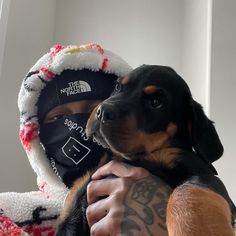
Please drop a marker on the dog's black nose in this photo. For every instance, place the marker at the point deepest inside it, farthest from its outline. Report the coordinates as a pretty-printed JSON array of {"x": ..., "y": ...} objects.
[{"x": 105, "y": 113}]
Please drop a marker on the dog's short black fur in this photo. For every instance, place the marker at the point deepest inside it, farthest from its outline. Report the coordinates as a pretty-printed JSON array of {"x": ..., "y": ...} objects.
[{"x": 151, "y": 120}]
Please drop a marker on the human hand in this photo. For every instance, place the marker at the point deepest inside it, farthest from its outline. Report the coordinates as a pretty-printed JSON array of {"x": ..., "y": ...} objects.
[{"x": 132, "y": 203}]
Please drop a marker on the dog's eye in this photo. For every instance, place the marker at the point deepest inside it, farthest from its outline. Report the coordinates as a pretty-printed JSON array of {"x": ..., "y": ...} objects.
[
  {"x": 154, "y": 102},
  {"x": 118, "y": 87}
]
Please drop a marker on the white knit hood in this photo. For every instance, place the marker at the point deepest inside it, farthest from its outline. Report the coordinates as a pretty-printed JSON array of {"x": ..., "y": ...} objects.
[{"x": 60, "y": 58}]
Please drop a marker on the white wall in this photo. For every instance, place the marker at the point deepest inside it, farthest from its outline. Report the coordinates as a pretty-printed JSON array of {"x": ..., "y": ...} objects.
[
  {"x": 141, "y": 31},
  {"x": 196, "y": 49},
  {"x": 29, "y": 34},
  {"x": 223, "y": 86},
  {"x": 4, "y": 11}
]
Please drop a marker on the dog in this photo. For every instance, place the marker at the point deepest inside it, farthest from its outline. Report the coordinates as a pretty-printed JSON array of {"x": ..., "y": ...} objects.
[{"x": 152, "y": 121}]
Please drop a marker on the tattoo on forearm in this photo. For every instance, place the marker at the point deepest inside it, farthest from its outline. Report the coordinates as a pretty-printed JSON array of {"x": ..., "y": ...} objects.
[{"x": 145, "y": 203}]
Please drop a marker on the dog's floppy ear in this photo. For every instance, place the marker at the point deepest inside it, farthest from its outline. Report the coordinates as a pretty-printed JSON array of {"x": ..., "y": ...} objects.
[{"x": 205, "y": 139}]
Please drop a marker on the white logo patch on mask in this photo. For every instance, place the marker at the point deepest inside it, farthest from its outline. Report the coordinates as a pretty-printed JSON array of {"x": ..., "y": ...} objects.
[
  {"x": 76, "y": 87},
  {"x": 75, "y": 151}
]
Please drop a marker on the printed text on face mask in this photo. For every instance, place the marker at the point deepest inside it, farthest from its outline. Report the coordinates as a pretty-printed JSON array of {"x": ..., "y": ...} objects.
[{"x": 75, "y": 126}]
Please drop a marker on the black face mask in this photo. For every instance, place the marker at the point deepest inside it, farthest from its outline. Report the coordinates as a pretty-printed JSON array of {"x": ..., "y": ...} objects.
[{"x": 69, "y": 150}]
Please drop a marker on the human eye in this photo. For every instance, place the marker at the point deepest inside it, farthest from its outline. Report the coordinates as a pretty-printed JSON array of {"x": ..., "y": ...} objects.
[
  {"x": 57, "y": 117},
  {"x": 54, "y": 116}
]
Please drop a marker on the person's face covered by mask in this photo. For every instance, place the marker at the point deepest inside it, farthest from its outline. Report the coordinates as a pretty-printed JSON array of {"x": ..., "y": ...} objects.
[{"x": 64, "y": 109}]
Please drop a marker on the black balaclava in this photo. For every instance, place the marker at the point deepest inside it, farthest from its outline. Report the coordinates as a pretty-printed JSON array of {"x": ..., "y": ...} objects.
[{"x": 69, "y": 150}]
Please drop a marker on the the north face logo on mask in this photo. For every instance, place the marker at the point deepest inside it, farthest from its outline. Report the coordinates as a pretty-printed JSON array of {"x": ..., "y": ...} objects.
[
  {"x": 75, "y": 87},
  {"x": 75, "y": 151}
]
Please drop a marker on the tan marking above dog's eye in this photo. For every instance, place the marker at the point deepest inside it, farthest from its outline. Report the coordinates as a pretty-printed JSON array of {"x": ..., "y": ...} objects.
[
  {"x": 150, "y": 89},
  {"x": 124, "y": 80}
]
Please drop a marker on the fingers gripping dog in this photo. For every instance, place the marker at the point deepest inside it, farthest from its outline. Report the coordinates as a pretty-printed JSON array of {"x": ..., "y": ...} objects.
[{"x": 151, "y": 120}]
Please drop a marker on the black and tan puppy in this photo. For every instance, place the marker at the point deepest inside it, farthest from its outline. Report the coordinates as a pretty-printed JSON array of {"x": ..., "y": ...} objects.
[{"x": 151, "y": 120}]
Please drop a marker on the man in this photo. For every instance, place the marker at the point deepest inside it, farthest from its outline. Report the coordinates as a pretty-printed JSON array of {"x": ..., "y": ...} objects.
[{"x": 55, "y": 99}]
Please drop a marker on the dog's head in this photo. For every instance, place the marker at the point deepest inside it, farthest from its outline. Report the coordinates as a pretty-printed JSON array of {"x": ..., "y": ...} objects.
[{"x": 151, "y": 109}]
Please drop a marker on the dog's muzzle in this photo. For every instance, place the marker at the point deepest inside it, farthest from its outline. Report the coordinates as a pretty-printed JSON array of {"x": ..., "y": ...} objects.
[{"x": 106, "y": 113}]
